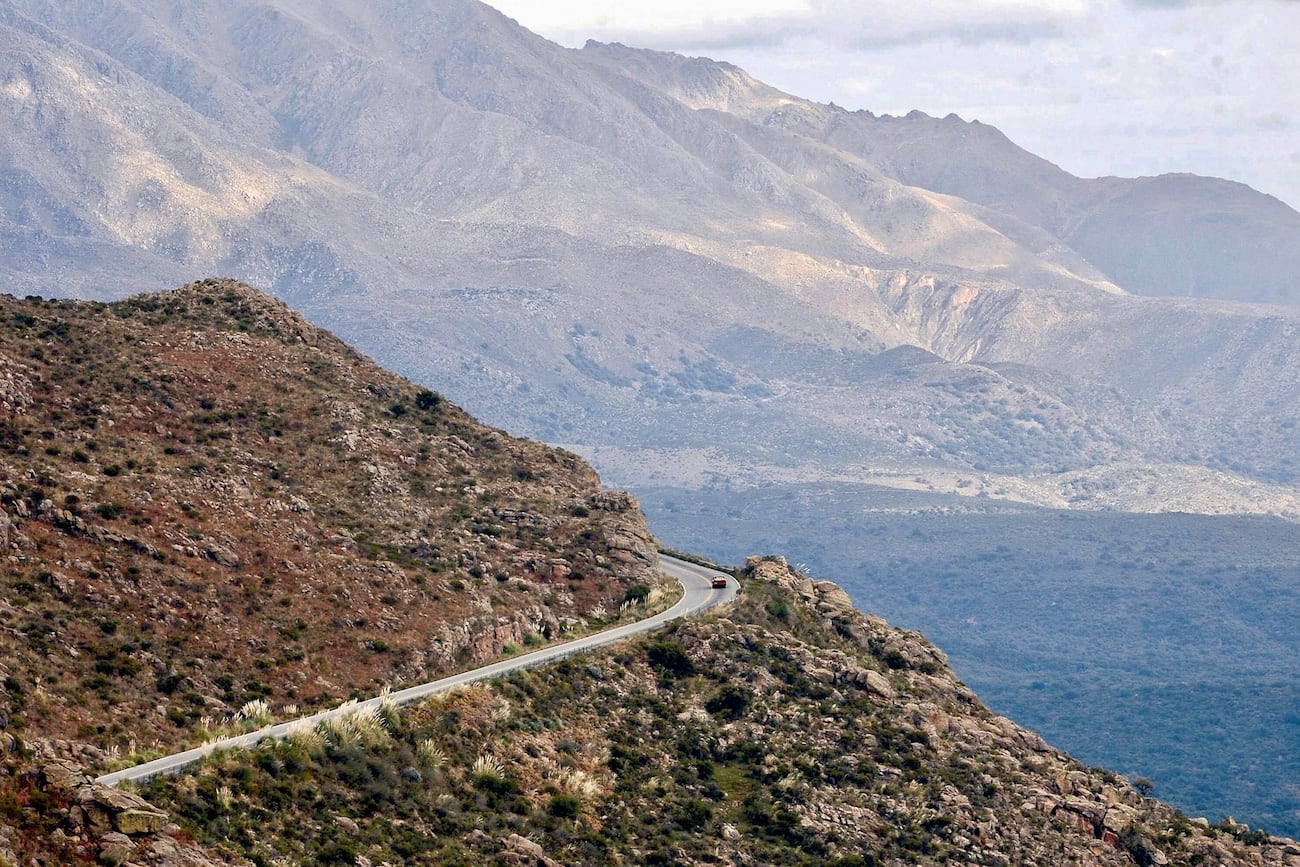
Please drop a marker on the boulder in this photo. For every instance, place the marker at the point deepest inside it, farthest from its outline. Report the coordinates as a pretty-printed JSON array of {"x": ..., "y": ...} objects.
[
  {"x": 66, "y": 520},
  {"x": 525, "y": 853},
  {"x": 224, "y": 556},
  {"x": 832, "y": 598},
  {"x": 116, "y": 800},
  {"x": 477, "y": 838},
  {"x": 63, "y": 777},
  {"x": 115, "y": 848},
  {"x": 877, "y": 683},
  {"x": 136, "y": 821}
]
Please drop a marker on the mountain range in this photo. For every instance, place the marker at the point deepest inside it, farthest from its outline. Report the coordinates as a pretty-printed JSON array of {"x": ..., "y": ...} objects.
[{"x": 718, "y": 292}]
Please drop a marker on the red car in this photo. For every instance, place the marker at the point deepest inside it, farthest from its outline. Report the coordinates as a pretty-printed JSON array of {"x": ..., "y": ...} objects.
[{"x": 720, "y": 581}]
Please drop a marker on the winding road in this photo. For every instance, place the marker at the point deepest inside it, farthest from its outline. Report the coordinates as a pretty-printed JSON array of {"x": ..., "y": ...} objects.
[{"x": 699, "y": 596}]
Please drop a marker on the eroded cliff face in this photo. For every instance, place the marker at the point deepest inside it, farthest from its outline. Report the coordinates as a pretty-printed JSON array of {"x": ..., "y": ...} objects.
[{"x": 206, "y": 501}]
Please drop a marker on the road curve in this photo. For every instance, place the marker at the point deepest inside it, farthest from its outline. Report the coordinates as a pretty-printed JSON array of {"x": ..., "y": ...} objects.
[{"x": 699, "y": 596}]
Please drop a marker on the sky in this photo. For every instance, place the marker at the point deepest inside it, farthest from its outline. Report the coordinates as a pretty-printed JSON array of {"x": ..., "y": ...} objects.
[{"x": 1099, "y": 87}]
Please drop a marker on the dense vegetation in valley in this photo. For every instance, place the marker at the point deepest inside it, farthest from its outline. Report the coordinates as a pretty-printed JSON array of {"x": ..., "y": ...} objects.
[
  {"x": 1162, "y": 645},
  {"x": 787, "y": 729},
  {"x": 208, "y": 505}
]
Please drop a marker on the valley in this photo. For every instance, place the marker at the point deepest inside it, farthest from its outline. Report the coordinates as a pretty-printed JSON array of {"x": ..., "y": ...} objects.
[{"x": 1160, "y": 645}]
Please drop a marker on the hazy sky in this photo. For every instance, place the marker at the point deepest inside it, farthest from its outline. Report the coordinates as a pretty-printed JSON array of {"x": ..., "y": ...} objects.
[{"x": 1124, "y": 87}]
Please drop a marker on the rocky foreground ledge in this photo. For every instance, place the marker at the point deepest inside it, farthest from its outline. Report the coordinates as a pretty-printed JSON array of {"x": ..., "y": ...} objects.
[{"x": 786, "y": 728}]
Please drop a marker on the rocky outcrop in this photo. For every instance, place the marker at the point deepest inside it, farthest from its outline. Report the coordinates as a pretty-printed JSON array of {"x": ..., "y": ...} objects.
[
  {"x": 486, "y": 637},
  {"x": 627, "y": 537},
  {"x": 522, "y": 852},
  {"x": 80, "y": 821},
  {"x": 898, "y": 648},
  {"x": 909, "y": 681}
]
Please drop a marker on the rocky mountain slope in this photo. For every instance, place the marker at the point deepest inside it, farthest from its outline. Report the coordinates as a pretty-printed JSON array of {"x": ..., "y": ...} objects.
[
  {"x": 672, "y": 247},
  {"x": 696, "y": 280},
  {"x": 450, "y": 111},
  {"x": 788, "y": 729},
  {"x": 213, "y": 509},
  {"x": 208, "y": 502}
]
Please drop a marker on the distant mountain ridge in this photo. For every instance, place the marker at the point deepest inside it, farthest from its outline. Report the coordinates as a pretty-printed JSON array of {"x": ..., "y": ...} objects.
[
  {"x": 402, "y": 105},
  {"x": 636, "y": 190}
]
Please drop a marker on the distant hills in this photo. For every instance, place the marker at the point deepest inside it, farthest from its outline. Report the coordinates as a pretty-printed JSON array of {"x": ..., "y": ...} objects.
[
  {"x": 700, "y": 282},
  {"x": 656, "y": 248}
]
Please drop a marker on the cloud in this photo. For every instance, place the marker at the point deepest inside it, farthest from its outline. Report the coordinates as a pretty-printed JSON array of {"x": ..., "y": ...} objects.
[
  {"x": 720, "y": 24},
  {"x": 1274, "y": 121},
  {"x": 715, "y": 26},
  {"x": 856, "y": 25},
  {"x": 1184, "y": 4}
]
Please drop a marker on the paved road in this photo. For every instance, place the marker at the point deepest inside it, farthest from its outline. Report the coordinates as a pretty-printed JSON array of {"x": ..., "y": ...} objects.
[{"x": 699, "y": 596}]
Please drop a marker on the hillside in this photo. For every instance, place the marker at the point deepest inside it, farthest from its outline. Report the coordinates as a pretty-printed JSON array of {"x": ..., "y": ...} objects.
[
  {"x": 709, "y": 288},
  {"x": 1155, "y": 645},
  {"x": 215, "y": 512},
  {"x": 209, "y": 502},
  {"x": 788, "y": 729}
]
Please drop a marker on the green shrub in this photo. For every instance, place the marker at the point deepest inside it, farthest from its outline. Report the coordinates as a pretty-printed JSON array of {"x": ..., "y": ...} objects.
[
  {"x": 729, "y": 703},
  {"x": 670, "y": 658},
  {"x": 337, "y": 853},
  {"x": 564, "y": 806},
  {"x": 110, "y": 511}
]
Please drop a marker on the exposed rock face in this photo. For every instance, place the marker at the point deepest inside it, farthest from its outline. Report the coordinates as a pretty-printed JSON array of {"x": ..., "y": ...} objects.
[{"x": 83, "y": 822}]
